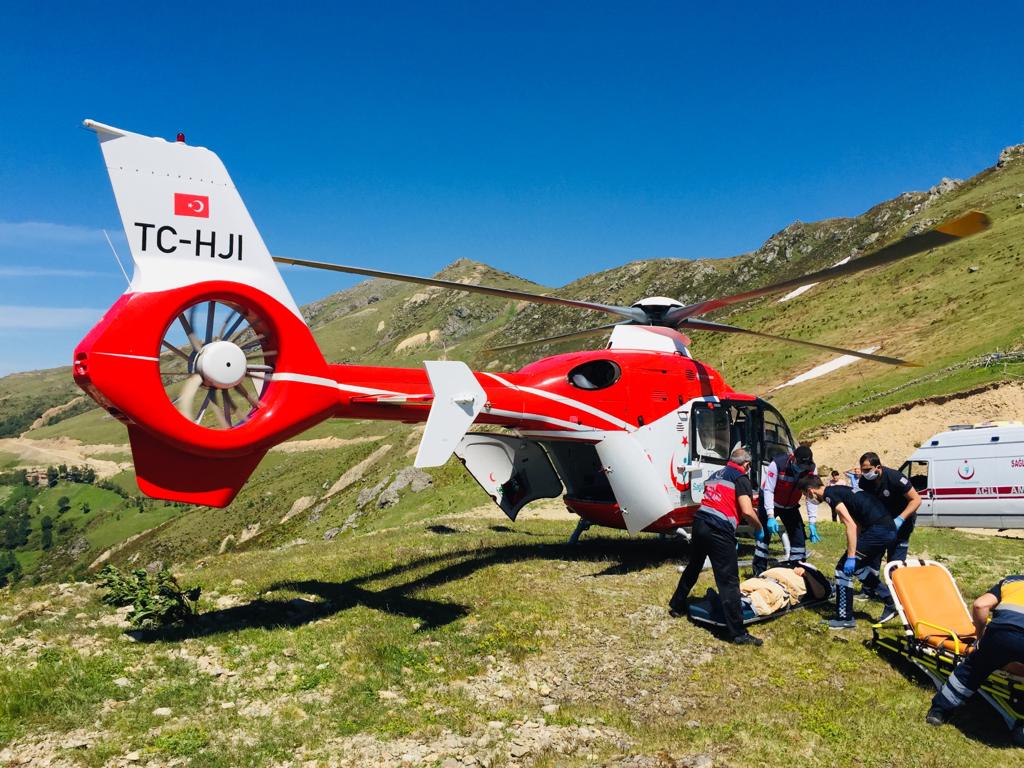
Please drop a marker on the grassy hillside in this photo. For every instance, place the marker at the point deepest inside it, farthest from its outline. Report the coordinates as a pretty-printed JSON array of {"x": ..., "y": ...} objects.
[{"x": 25, "y": 397}]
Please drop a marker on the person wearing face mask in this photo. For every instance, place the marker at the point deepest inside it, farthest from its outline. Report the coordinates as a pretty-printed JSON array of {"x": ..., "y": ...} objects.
[
  {"x": 897, "y": 495},
  {"x": 780, "y": 500},
  {"x": 728, "y": 499},
  {"x": 869, "y": 531}
]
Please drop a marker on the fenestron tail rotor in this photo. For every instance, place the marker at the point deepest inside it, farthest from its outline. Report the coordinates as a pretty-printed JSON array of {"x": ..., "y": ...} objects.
[{"x": 215, "y": 360}]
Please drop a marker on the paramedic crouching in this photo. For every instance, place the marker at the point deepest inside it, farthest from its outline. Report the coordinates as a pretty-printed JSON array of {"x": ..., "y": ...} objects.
[
  {"x": 869, "y": 532},
  {"x": 728, "y": 496},
  {"x": 999, "y": 625}
]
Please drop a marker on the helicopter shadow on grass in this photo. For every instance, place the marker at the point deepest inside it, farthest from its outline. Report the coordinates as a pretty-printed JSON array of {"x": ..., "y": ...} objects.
[{"x": 620, "y": 555}]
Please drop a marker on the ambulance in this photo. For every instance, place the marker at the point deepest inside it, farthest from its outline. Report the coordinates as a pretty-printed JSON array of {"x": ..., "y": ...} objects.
[{"x": 971, "y": 476}]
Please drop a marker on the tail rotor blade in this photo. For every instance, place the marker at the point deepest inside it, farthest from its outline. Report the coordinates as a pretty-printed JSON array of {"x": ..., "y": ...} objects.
[
  {"x": 707, "y": 325},
  {"x": 188, "y": 395},
  {"x": 194, "y": 340}
]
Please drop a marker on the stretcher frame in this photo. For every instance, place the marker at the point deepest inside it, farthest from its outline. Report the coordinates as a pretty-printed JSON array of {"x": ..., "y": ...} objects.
[{"x": 1003, "y": 691}]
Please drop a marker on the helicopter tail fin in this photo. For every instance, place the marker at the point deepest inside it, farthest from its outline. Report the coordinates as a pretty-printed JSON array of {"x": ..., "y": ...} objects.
[{"x": 184, "y": 220}]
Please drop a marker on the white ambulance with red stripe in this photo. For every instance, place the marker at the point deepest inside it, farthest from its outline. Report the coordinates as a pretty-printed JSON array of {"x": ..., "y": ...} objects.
[{"x": 971, "y": 476}]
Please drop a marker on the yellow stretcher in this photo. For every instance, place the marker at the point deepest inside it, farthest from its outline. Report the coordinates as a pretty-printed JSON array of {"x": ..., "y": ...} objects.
[{"x": 937, "y": 633}]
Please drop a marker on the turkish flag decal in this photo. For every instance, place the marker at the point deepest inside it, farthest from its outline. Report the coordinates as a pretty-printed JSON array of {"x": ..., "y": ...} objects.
[{"x": 191, "y": 205}]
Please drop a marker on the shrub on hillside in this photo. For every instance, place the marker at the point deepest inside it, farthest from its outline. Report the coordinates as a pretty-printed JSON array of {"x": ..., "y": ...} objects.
[{"x": 156, "y": 599}]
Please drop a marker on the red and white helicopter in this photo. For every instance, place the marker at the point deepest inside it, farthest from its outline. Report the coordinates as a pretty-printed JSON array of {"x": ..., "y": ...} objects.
[{"x": 208, "y": 361}]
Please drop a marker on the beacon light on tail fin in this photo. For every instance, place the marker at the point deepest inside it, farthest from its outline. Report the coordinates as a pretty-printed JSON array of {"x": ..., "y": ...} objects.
[{"x": 201, "y": 354}]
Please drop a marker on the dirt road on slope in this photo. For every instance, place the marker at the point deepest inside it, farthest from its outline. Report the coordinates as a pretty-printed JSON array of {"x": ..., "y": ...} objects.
[{"x": 896, "y": 436}]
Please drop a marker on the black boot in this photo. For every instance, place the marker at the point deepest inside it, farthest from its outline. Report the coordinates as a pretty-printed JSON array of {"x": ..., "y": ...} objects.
[
  {"x": 936, "y": 716},
  {"x": 747, "y": 639}
]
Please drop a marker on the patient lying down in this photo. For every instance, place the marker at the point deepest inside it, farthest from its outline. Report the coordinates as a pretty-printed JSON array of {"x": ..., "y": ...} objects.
[{"x": 775, "y": 589}]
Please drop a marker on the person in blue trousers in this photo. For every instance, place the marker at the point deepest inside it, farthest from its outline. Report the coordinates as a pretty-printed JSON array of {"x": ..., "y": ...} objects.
[{"x": 869, "y": 532}]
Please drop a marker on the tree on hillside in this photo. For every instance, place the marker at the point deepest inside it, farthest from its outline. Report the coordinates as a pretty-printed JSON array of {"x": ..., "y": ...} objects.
[
  {"x": 88, "y": 475},
  {"x": 62, "y": 471},
  {"x": 10, "y": 535},
  {"x": 10, "y": 569},
  {"x": 63, "y": 505},
  {"x": 46, "y": 526},
  {"x": 51, "y": 476},
  {"x": 23, "y": 525},
  {"x": 85, "y": 508},
  {"x": 75, "y": 474}
]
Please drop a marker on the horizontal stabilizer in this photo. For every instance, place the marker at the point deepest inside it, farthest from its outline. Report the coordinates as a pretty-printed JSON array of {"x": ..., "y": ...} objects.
[
  {"x": 164, "y": 472},
  {"x": 458, "y": 399}
]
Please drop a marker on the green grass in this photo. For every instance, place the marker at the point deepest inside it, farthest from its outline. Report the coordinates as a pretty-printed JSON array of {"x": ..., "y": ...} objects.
[
  {"x": 94, "y": 427},
  {"x": 9, "y": 460},
  {"x": 322, "y": 629}
]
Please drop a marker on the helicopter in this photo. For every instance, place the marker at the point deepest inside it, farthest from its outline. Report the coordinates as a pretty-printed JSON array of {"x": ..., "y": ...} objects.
[{"x": 207, "y": 360}]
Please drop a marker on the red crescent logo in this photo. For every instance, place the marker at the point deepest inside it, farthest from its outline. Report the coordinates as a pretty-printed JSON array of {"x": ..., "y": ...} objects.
[
  {"x": 491, "y": 478},
  {"x": 966, "y": 471},
  {"x": 672, "y": 474}
]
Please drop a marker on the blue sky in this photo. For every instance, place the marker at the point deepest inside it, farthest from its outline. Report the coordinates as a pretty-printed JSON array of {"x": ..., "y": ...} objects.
[{"x": 549, "y": 140}]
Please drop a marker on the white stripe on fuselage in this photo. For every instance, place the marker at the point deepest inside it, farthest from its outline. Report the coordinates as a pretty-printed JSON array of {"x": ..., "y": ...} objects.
[
  {"x": 130, "y": 357},
  {"x": 301, "y": 378},
  {"x": 567, "y": 401}
]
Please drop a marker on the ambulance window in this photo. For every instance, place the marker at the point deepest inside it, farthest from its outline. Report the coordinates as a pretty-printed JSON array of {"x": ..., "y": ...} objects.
[
  {"x": 711, "y": 432},
  {"x": 917, "y": 473},
  {"x": 596, "y": 374}
]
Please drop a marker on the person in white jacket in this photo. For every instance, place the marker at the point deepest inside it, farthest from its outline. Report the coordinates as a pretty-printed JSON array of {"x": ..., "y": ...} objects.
[{"x": 780, "y": 500}]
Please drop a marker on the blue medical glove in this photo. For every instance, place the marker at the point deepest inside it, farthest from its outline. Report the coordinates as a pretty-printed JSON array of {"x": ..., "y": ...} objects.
[
  {"x": 899, "y": 521},
  {"x": 815, "y": 538},
  {"x": 759, "y": 534},
  {"x": 773, "y": 526},
  {"x": 849, "y": 566}
]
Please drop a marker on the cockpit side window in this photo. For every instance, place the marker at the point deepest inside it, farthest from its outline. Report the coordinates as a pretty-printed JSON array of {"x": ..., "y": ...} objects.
[
  {"x": 711, "y": 432},
  {"x": 594, "y": 374}
]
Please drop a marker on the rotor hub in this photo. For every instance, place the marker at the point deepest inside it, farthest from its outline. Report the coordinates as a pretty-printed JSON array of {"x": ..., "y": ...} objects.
[{"x": 222, "y": 364}]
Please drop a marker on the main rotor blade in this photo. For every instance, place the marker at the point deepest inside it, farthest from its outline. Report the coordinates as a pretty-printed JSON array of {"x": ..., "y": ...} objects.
[
  {"x": 969, "y": 223},
  {"x": 707, "y": 325},
  {"x": 560, "y": 337},
  {"x": 633, "y": 314}
]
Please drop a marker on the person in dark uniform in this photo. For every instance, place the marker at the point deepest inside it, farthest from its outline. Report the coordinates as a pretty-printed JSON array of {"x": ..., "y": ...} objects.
[
  {"x": 780, "y": 500},
  {"x": 869, "y": 532},
  {"x": 999, "y": 625},
  {"x": 728, "y": 496},
  {"x": 897, "y": 495}
]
